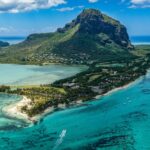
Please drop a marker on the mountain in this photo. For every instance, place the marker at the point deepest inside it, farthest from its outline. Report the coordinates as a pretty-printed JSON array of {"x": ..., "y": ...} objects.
[
  {"x": 93, "y": 22},
  {"x": 91, "y": 37}
]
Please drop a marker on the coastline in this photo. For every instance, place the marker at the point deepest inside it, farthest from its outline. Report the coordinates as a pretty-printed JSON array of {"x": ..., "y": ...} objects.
[
  {"x": 120, "y": 88},
  {"x": 14, "y": 110}
]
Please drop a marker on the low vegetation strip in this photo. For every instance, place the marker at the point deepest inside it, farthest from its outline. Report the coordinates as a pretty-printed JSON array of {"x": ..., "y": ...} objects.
[{"x": 97, "y": 80}]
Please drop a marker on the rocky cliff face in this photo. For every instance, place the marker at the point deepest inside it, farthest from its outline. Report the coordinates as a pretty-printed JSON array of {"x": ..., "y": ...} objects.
[
  {"x": 91, "y": 37},
  {"x": 93, "y": 22}
]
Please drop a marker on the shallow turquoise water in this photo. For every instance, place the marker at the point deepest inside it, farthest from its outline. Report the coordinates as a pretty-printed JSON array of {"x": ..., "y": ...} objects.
[
  {"x": 7, "y": 123},
  {"x": 28, "y": 75},
  {"x": 35, "y": 75},
  {"x": 120, "y": 121}
]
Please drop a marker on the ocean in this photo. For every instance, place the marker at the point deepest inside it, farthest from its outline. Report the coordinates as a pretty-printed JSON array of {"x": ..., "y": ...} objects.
[
  {"x": 12, "y": 39},
  {"x": 12, "y": 74},
  {"x": 118, "y": 121},
  {"x": 138, "y": 40}
]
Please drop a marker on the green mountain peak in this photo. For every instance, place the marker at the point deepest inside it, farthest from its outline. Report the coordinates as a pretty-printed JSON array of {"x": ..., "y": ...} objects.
[
  {"x": 92, "y": 21},
  {"x": 91, "y": 37}
]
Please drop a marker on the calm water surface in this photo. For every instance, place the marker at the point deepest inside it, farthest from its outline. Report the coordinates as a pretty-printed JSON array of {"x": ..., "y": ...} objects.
[
  {"x": 12, "y": 39},
  {"x": 119, "y": 121},
  {"x": 28, "y": 75},
  {"x": 35, "y": 75},
  {"x": 140, "y": 40}
]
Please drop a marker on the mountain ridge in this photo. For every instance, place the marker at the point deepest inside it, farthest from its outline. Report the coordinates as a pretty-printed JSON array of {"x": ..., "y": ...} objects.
[
  {"x": 89, "y": 38},
  {"x": 92, "y": 21}
]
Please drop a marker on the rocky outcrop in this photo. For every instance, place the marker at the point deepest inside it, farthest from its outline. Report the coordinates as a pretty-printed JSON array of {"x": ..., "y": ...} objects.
[{"x": 92, "y": 21}]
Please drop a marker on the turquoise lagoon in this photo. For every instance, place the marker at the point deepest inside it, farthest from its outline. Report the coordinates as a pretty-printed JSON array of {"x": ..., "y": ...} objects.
[
  {"x": 118, "y": 121},
  {"x": 15, "y": 75},
  {"x": 11, "y": 74}
]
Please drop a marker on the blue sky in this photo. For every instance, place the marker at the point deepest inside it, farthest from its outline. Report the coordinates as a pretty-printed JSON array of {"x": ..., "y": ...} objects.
[{"x": 23, "y": 17}]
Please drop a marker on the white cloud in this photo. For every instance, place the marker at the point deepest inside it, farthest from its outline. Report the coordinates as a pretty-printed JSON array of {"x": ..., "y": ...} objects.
[
  {"x": 140, "y": 1},
  {"x": 15, "y": 6},
  {"x": 140, "y": 4},
  {"x": 6, "y": 29},
  {"x": 69, "y": 8},
  {"x": 66, "y": 9},
  {"x": 93, "y": 1}
]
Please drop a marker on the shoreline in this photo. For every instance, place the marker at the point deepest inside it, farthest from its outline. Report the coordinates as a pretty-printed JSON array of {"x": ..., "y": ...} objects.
[
  {"x": 120, "y": 88},
  {"x": 14, "y": 110}
]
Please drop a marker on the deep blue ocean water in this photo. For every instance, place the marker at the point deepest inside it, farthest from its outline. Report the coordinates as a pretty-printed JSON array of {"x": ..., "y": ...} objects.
[
  {"x": 137, "y": 40},
  {"x": 12, "y": 39}
]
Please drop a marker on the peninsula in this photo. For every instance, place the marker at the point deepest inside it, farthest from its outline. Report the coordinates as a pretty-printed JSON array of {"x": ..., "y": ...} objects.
[{"x": 93, "y": 39}]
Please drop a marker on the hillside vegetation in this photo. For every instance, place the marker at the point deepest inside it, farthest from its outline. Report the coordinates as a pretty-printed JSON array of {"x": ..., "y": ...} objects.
[{"x": 91, "y": 37}]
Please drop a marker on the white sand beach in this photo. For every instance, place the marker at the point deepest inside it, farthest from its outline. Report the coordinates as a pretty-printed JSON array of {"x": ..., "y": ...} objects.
[
  {"x": 14, "y": 110},
  {"x": 119, "y": 88}
]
